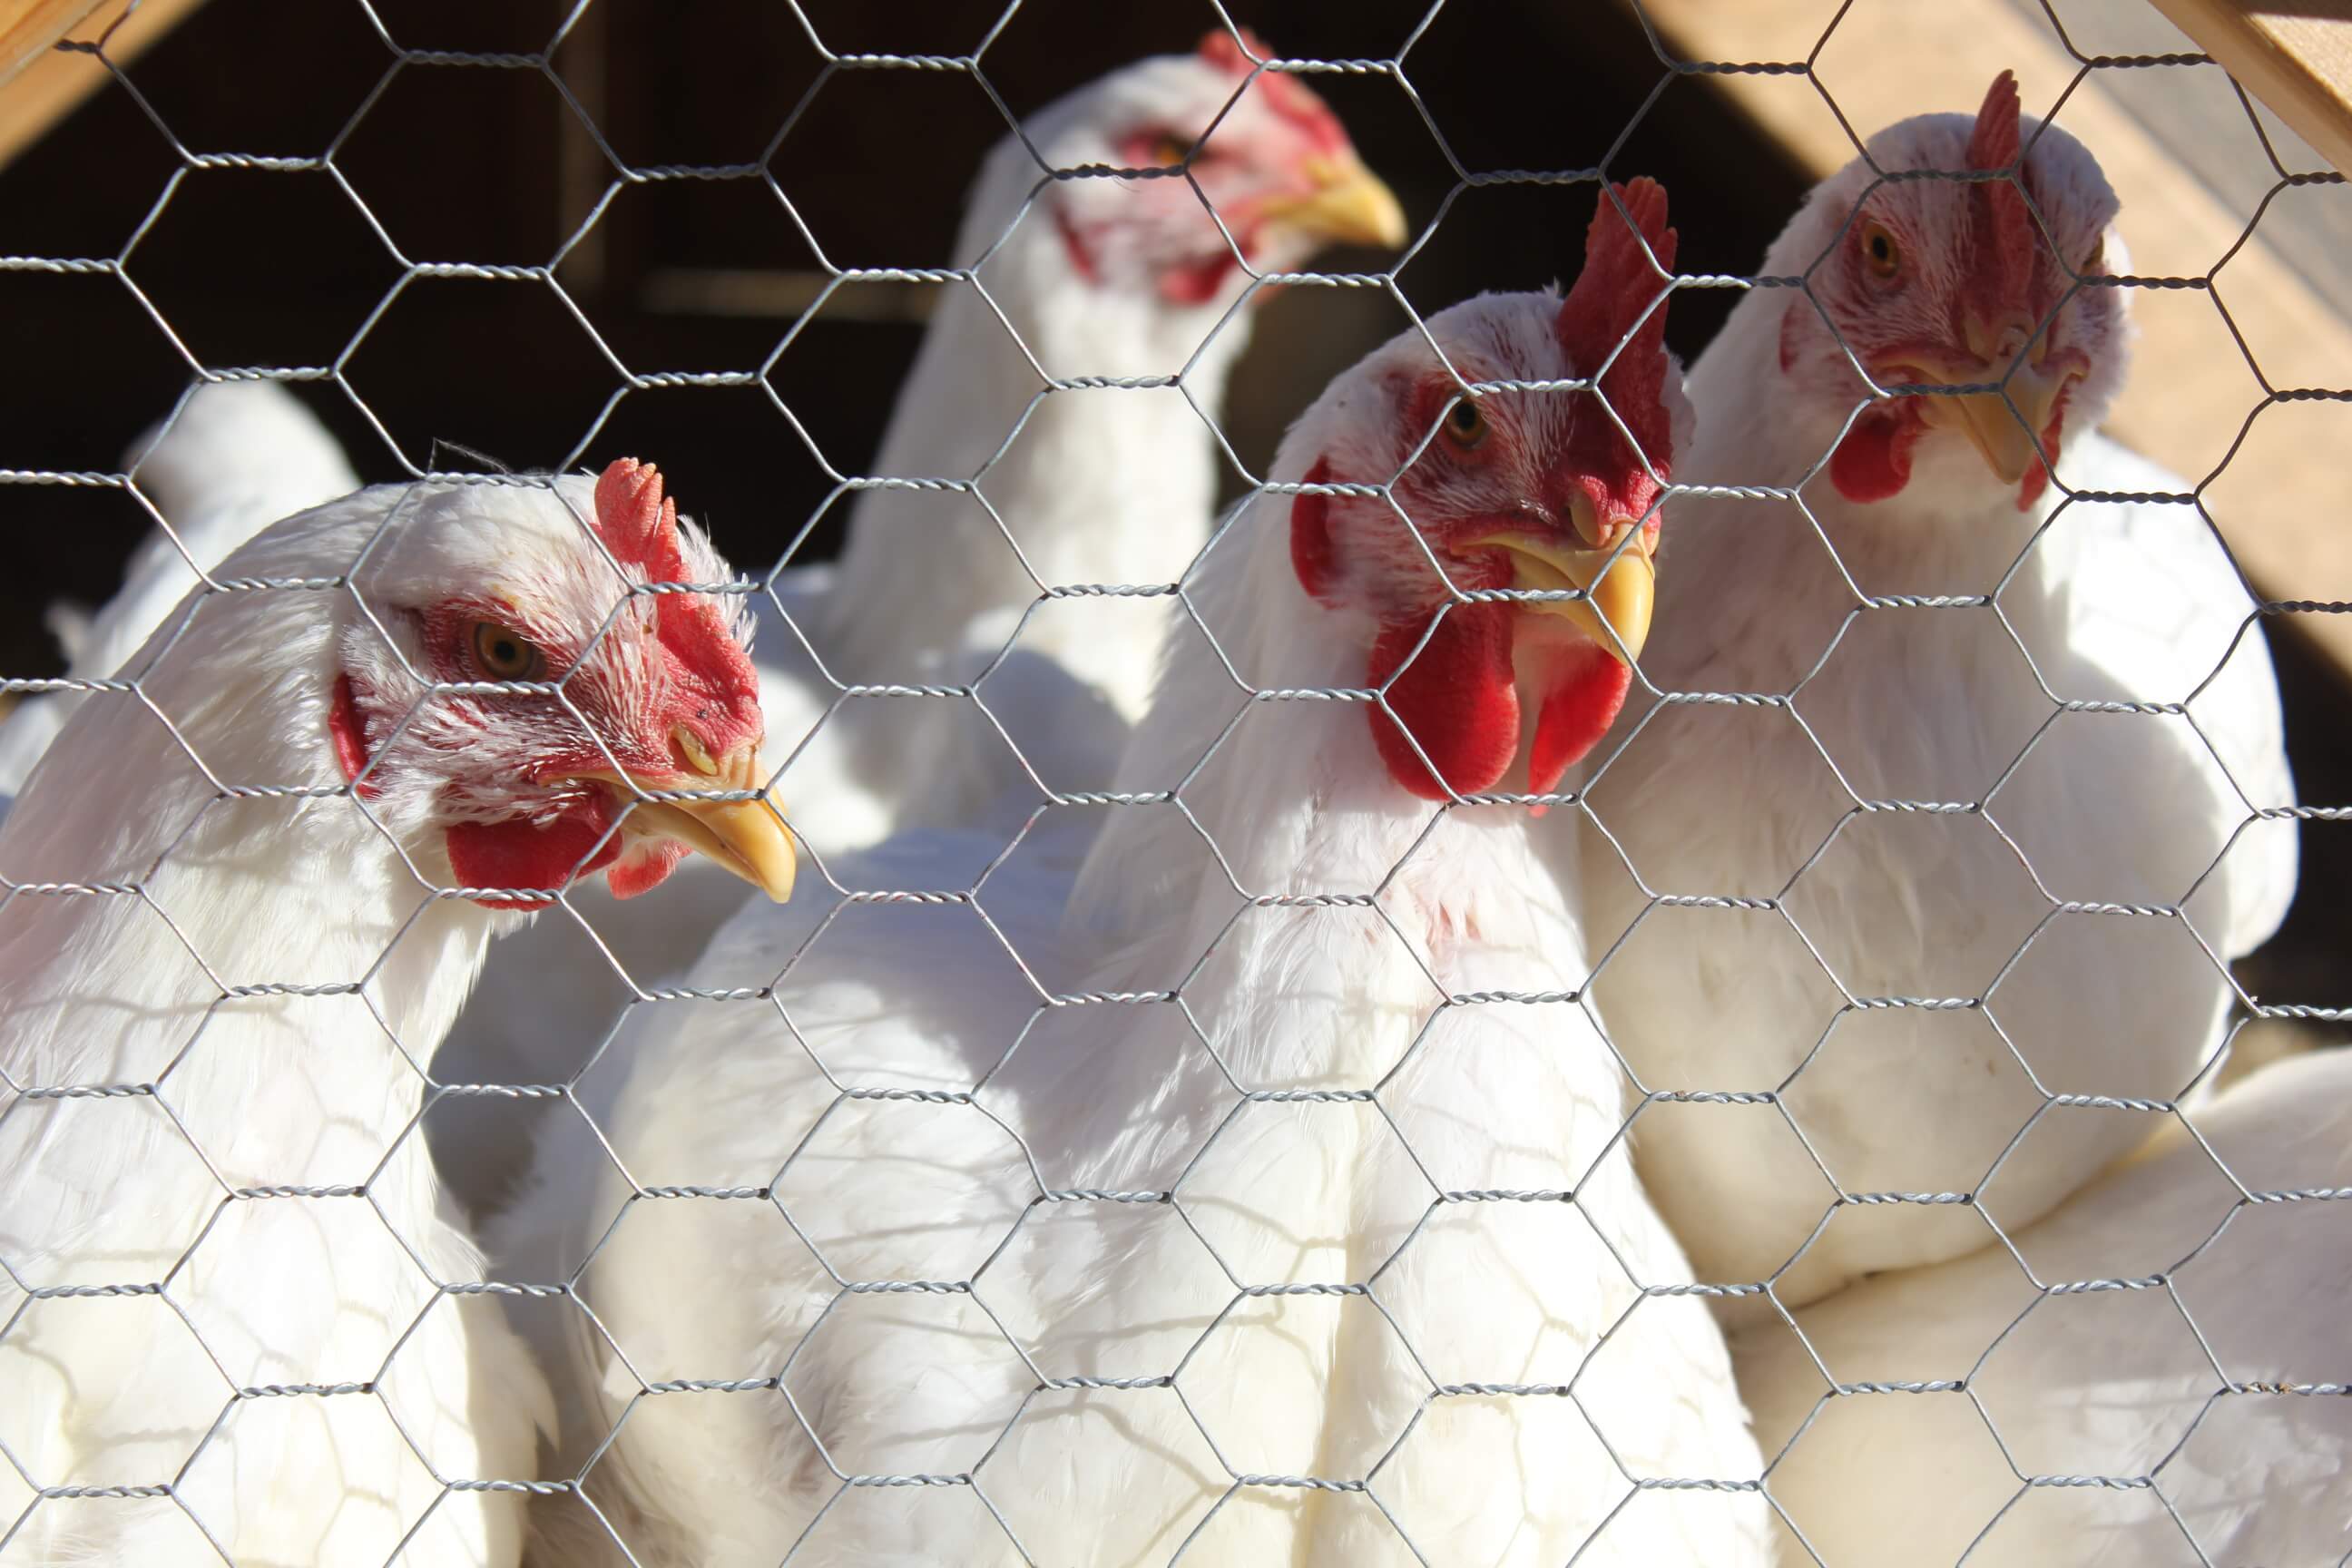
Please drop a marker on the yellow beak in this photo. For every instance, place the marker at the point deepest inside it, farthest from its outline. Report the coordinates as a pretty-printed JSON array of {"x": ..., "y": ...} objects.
[
  {"x": 1344, "y": 203},
  {"x": 1620, "y": 586},
  {"x": 745, "y": 836},
  {"x": 2009, "y": 445}
]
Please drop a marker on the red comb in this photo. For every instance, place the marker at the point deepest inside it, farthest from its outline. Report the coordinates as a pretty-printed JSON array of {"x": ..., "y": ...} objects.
[
  {"x": 1615, "y": 287},
  {"x": 1284, "y": 94},
  {"x": 1226, "y": 52},
  {"x": 1993, "y": 144},
  {"x": 637, "y": 524},
  {"x": 2008, "y": 223}
]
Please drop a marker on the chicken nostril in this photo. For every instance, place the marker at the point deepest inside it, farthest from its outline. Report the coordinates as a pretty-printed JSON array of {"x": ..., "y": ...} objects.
[{"x": 1997, "y": 341}]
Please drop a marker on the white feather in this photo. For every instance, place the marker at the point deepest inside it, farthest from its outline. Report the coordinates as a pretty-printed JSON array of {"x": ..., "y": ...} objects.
[
  {"x": 236, "y": 457},
  {"x": 231, "y": 1121},
  {"x": 937, "y": 1176},
  {"x": 2246, "y": 1435},
  {"x": 2111, "y": 602},
  {"x": 1105, "y": 485},
  {"x": 2155, "y": 608}
]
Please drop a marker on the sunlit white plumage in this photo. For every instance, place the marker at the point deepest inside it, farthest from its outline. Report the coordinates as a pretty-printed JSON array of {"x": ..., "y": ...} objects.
[
  {"x": 210, "y": 1010},
  {"x": 1923, "y": 902},
  {"x": 2157, "y": 606},
  {"x": 236, "y": 458},
  {"x": 1305, "y": 1189},
  {"x": 1098, "y": 280},
  {"x": 2247, "y": 1436},
  {"x": 1088, "y": 279}
]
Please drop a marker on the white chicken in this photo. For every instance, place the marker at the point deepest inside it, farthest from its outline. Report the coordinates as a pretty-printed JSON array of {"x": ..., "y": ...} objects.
[
  {"x": 235, "y": 457},
  {"x": 1104, "y": 280},
  {"x": 2162, "y": 1357},
  {"x": 1375, "y": 1120},
  {"x": 237, "y": 1320},
  {"x": 1894, "y": 781},
  {"x": 1100, "y": 279}
]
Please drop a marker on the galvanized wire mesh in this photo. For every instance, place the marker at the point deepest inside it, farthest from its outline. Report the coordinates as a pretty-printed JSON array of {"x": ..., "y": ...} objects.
[{"x": 2024, "y": 1472}]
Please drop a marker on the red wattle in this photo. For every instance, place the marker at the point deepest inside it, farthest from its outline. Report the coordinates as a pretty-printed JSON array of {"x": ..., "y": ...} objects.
[
  {"x": 1191, "y": 283},
  {"x": 1456, "y": 698},
  {"x": 347, "y": 730},
  {"x": 1873, "y": 461},
  {"x": 520, "y": 855},
  {"x": 643, "y": 868},
  {"x": 1586, "y": 692},
  {"x": 1074, "y": 247},
  {"x": 1312, "y": 557}
]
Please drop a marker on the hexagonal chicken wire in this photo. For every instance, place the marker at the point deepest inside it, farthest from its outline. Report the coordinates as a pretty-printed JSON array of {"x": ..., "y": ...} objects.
[{"x": 412, "y": 317}]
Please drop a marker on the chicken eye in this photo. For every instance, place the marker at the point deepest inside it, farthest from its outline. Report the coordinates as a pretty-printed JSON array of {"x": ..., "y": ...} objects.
[
  {"x": 1169, "y": 149},
  {"x": 505, "y": 655},
  {"x": 1878, "y": 247},
  {"x": 1466, "y": 425},
  {"x": 2097, "y": 262}
]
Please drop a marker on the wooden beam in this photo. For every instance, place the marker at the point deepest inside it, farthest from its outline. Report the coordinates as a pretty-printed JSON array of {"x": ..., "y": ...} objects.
[
  {"x": 2185, "y": 399},
  {"x": 582, "y": 173},
  {"x": 30, "y": 29},
  {"x": 780, "y": 294},
  {"x": 2297, "y": 58},
  {"x": 39, "y": 84}
]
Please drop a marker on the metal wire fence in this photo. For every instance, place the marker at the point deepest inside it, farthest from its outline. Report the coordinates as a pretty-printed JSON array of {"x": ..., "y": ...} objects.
[{"x": 1929, "y": 1283}]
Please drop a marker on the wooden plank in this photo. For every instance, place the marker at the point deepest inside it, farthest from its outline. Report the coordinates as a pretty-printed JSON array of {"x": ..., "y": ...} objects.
[
  {"x": 582, "y": 171},
  {"x": 49, "y": 84},
  {"x": 30, "y": 29},
  {"x": 2183, "y": 395},
  {"x": 781, "y": 294},
  {"x": 2297, "y": 60}
]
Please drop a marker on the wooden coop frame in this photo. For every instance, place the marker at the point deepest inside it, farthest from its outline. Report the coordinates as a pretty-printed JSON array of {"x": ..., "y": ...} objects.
[{"x": 2295, "y": 56}]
